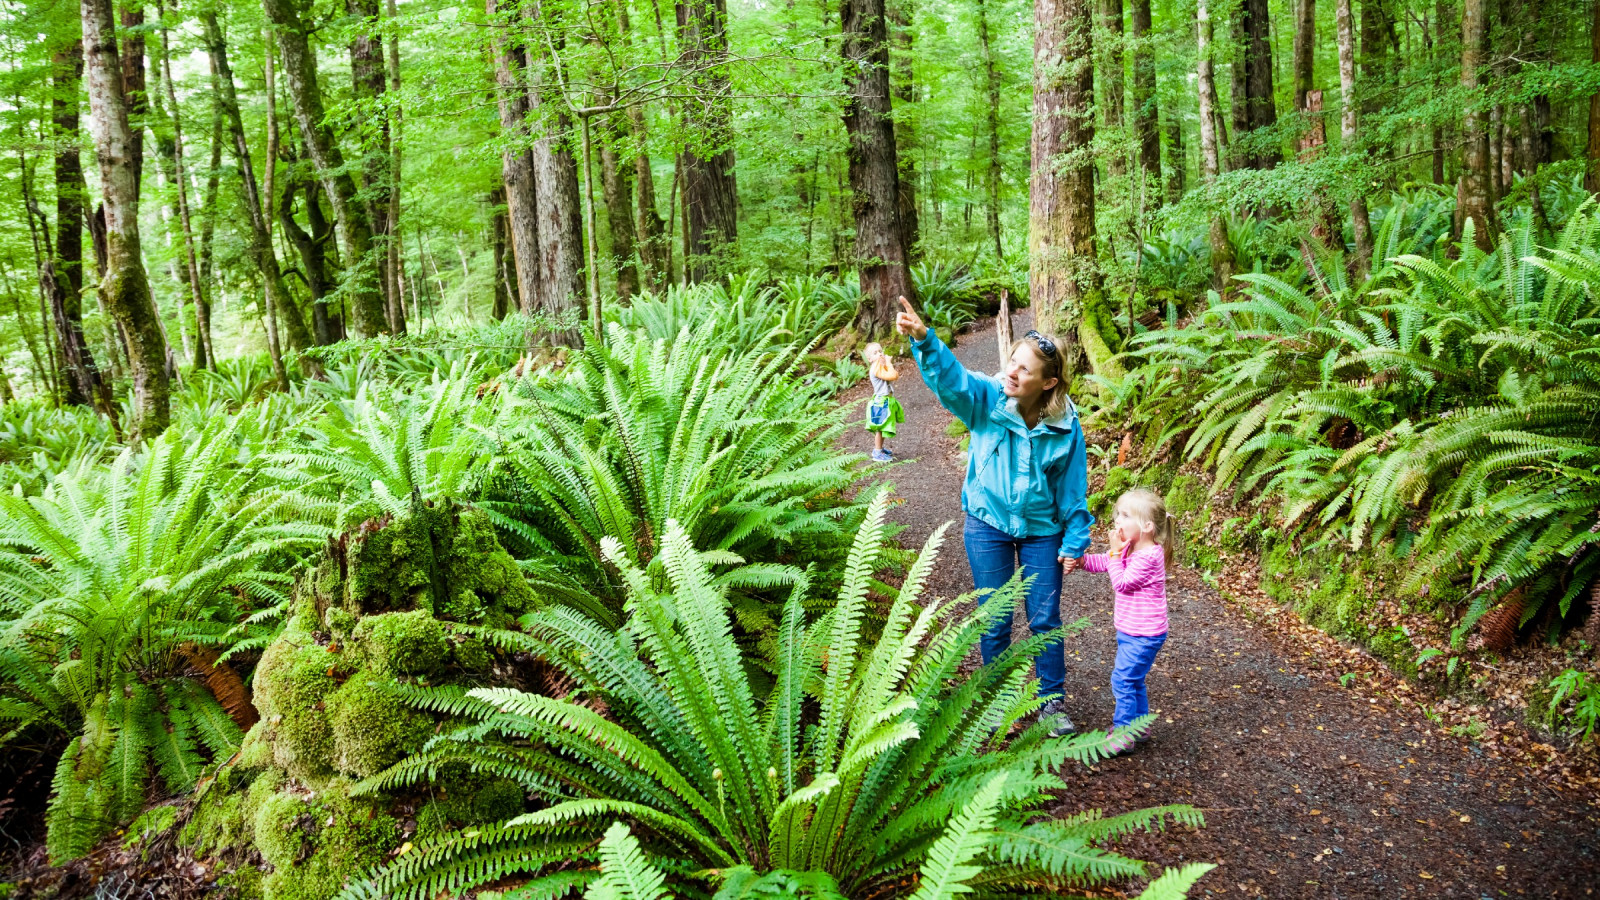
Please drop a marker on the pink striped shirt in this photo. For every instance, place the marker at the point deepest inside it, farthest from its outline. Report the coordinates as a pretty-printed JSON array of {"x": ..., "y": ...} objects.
[{"x": 1139, "y": 581}]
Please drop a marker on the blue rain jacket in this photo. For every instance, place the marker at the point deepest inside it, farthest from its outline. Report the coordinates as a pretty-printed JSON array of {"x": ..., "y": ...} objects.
[{"x": 1024, "y": 482}]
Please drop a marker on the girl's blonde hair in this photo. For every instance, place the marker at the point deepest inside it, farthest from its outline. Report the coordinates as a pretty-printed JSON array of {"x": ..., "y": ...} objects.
[
  {"x": 1054, "y": 402},
  {"x": 1147, "y": 506}
]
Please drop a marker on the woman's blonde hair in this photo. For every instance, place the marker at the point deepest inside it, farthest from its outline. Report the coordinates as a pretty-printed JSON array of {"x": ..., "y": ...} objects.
[
  {"x": 1054, "y": 402},
  {"x": 1147, "y": 506}
]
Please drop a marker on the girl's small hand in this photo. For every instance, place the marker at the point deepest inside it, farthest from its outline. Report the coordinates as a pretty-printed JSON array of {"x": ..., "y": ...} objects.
[
  {"x": 908, "y": 322},
  {"x": 1069, "y": 564}
]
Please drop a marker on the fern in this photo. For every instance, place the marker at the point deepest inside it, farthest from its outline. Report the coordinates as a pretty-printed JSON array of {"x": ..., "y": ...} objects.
[{"x": 906, "y": 771}]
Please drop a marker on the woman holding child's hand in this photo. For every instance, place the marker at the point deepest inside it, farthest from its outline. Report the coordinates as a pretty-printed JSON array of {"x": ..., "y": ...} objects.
[{"x": 1026, "y": 486}]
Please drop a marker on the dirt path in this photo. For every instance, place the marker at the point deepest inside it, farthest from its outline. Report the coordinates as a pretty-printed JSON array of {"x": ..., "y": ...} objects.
[{"x": 1309, "y": 789}]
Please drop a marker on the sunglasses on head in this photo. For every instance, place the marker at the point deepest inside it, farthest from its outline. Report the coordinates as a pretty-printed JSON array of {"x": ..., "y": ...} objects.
[{"x": 1046, "y": 346}]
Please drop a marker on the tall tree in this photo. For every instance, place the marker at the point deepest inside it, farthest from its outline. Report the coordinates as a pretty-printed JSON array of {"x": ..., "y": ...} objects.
[
  {"x": 62, "y": 278},
  {"x": 1061, "y": 247},
  {"x": 134, "y": 85},
  {"x": 1254, "y": 109},
  {"x": 992, "y": 173},
  {"x": 368, "y": 317},
  {"x": 1305, "y": 45},
  {"x": 1210, "y": 149},
  {"x": 617, "y": 186},
  {"x": 555, "y": 179},
  {"x": 1146, "y": 112},
  {"x": 258, "y": 207},
  {"x": 903, "y": 82},
  {"x": 710, "y": 192},
  {"x": 1360, "y": 225},
  {"x": 1111, "y": 26},
  {"x": 204, "y": 353},
  {"x": 124, "y": 286},
  {"x": 880, "y": 245},
  {"x": 1591, "y": 176},
  {"x": 369, "y": 83},
  {"x": 516, "y": 160},
  {"x": 1473, "y": 198}
]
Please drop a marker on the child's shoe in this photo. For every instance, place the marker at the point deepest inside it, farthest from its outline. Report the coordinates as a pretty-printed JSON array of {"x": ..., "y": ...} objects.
[
  {"x": 882, "y": 456},
  {"x": 1120, "y": 741}
]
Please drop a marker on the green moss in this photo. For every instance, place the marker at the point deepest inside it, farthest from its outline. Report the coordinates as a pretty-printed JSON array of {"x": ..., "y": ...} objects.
[
  {"x": 1118, "y": 481},
  {"x": 956, "y": 428},
  {"x": 402, "y": 643},
  {"x": 224, "y": 815},
  {"x": 292, "y": 684},
  {"x": 471, "y": 653},
  {"x": 1331, "y": 589},
  {"x": 1187, "y": 495},
  {"x": 482, "y": 575},
  {"x": 316, "y": 841},
  {"x": 372, "y": 728}
]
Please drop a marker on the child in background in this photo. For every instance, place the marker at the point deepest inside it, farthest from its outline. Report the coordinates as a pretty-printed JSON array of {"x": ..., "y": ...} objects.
[
  {"x": 884, "y": 412},
  {"x": 1141, "y": 552}
]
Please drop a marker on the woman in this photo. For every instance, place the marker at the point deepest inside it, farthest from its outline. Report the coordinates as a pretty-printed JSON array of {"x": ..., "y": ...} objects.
[{"x": 1026, "y": 488}]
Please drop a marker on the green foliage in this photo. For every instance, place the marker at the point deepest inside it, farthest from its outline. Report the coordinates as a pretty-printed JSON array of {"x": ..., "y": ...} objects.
[
  {"x": 728, "y": 443},
  {"x": 1583, "y": 693},
  {"x": 1447, "y": 404},
  {"x": 105, "y": 579},
  {"x": 903, "y": 766}
]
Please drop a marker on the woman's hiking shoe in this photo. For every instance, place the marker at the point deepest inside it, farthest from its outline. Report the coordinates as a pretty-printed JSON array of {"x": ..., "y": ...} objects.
[
  {"x": 1057, "y": 710},
  {"x": 882, "y": 456}
]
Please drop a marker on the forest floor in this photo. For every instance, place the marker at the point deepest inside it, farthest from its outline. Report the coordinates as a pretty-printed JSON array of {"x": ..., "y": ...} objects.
[{"x": 1310, "y": 788}]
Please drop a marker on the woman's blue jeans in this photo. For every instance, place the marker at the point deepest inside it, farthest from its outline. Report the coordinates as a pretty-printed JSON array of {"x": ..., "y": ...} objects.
[{"x": 994, "y": 557}]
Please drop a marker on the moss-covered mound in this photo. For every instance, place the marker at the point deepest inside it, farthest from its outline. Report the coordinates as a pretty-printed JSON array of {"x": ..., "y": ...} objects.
[{"x": 382, "y": 606}]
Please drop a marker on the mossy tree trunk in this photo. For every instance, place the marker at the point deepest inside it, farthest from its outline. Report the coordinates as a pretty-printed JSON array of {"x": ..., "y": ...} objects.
[{"x": 124, "y": 287}]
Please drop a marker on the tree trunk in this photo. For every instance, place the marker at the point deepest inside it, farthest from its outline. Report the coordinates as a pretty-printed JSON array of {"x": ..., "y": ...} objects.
[
  {"x": 1473, "y": 199},
  {"x": 134, "y": 87},
  {"x": 367, "y": 313},
  {"x": 503, "y": 278},
  {"x": 1111, "y": 15},
  {"x": 874, "y": 168},
  {"x": 903, "y": 84},
  {"x": 617, "y": 186},
  {"x": 516, "y": 163},
  {"x": 202, "y": 352},
  {"x": 1210, "y": 152},
  {"x": 1377, "y": 42},
  {"x": 710, "y": 192},
  {"x": 258, "y": 208},
  {"x": 312, "y": 248},
  {"x": 1177, "y": 159},
  {"x": 125, "y": 287},
  {"x": 369, "y": 85},
  {"x": 1062, "y": 266},
  {"x": 1305, "y": 40},
  {"x": 79, "y": 378},
  {"x": 1361, "y": 226},
  {"x": 1146, "y": 114},
  {"x": 1260, "y": 110},
  {"x": 991, "y": 79},
  {"x": 560, "y": 226},
  {"x": 393, "y": 140},
  {"x": 655, "y": 249},
  {"x": 1591, "y": 177}
]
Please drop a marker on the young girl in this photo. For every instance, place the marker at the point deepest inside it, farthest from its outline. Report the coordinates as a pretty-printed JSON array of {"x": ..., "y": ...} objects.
[
  {"x": 884, "y": 412},
  {"x": 1141, "y": 552}
]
